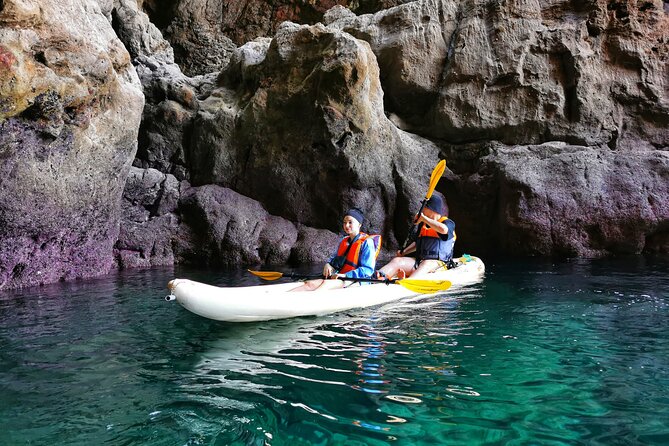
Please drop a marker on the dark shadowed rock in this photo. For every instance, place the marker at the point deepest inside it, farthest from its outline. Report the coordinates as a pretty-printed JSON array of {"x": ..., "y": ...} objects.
[
  {"x": 298, "y": 125},
  {"x": 556, "y": 199},
  {"x": 70, "y": 104},
  {"x": 230, "y": 229},
  {"x": 313, "y": 246},
  {"x": 146, "y": 244}
]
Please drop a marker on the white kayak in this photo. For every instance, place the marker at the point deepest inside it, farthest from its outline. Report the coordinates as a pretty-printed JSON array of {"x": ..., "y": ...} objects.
[{"x": 267, "y": 302}]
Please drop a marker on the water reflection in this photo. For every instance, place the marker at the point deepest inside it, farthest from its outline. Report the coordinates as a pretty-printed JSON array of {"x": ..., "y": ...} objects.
[{"x": 560, "y": 353}]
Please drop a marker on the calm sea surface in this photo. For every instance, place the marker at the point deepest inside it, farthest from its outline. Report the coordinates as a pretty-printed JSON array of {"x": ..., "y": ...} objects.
[{"x": 568, "y": 353}]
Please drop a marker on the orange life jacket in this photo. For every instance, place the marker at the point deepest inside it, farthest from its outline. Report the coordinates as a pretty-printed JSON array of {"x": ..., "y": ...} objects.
[{"x": 348, "y": 254}]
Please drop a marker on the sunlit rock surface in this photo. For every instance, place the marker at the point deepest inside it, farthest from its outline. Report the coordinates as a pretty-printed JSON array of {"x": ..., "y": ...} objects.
[{"x": 70, "y": 107}]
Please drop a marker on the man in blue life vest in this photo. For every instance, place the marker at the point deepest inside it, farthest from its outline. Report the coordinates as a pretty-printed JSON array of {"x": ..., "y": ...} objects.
[
  {"x": 433, "y": 245},
  {"x": 355, "y": 256}
]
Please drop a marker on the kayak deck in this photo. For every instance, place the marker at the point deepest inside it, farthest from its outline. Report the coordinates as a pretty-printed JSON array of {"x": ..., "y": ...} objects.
[{"x": 275, "y": 301}]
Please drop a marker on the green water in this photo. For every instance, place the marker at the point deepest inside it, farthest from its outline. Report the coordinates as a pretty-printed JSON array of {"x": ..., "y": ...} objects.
[{"x": 544, "y": 353}]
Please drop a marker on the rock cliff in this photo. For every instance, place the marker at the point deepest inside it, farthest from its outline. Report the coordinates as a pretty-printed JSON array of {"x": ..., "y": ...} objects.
[
  {"x": 70, "y": 107},
  {"x": 553, "y": 117}
]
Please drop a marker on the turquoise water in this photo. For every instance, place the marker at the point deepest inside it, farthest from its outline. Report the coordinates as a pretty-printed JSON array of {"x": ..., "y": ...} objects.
[{"x": 567, "y": 353}]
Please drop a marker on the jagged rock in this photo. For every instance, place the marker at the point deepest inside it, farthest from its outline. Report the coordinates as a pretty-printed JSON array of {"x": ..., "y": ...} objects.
[
  {"x": 195, "y": 34},
  {"x": 230, "y": 229},
  {"x": 70, "y": 105},
  {"x": 150, "y": 226},
  {"x": 298, "y": 125},
  {"x": 146, "y": 244},
  {"x": 524, "y": 72},
  {"x": 139, "y": 35},
  {"x": 557, "y": 199},
  {"x": 205, "y": 33},
  {"x": 171, "y": 96}
]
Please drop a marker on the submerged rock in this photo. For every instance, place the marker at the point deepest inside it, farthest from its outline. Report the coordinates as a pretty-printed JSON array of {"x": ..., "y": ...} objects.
[{"x": 70, "y": 106}]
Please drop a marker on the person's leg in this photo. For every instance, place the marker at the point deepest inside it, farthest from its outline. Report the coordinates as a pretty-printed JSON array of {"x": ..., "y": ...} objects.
[
  {"x": 331, "y": 285},
  {"x": 309, "y": 285},
  {"x": 320, "y": 284},
  {"x": 404, "y": 264},
  {"x": 427, "y": 267}
]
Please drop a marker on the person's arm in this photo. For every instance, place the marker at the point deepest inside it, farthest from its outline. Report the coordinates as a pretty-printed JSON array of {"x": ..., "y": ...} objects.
[
  {"x": 438, "y": 226},
  {"x": 328, "y": 269},
  {"x": 450, "y": 225},
  {"x": 367, "y": 261}
]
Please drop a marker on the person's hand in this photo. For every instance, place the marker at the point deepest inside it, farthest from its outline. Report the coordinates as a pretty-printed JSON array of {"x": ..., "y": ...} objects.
[
  {"x": 328, "y": 270},
  {"x": 400, "y": 253}
]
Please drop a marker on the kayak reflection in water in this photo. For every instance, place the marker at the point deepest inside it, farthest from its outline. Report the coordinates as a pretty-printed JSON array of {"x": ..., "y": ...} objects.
[
  {"x": 355, "y": 256},
  {"x": 433, "y": 245}
]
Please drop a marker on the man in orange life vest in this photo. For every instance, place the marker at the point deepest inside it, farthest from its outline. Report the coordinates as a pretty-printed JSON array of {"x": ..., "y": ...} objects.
[
  {"x": 433, "y": 246},
  {"x": 355, "y": 256}
]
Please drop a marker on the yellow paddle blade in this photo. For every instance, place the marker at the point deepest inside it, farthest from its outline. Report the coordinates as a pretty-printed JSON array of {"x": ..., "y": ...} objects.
[
  {"x": 423, "y": 286},
  {"x": 267, "y": 275},
  {"x": 434, "y": 178}
]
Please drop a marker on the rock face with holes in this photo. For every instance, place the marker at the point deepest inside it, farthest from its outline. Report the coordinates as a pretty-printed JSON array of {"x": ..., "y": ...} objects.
[
  {"x": 524, "y": 72},
  {"x": 70, "y": 107}
]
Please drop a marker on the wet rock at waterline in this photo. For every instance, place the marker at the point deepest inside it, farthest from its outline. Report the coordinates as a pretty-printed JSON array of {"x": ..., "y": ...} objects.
[
  {"x": 557, "y": 199},
  {"x": 70, "y": 107}
]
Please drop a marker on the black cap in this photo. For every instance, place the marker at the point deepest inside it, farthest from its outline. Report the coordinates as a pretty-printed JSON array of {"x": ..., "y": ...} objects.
[
  {"x": 355, "y": 213},
  {"x": 436, "y": 203}
]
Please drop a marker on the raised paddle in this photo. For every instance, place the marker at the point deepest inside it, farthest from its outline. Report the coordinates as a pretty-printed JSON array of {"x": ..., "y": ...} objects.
[
  {"x": 434, "y": 179},
  {"x": 422, "y": 286}
]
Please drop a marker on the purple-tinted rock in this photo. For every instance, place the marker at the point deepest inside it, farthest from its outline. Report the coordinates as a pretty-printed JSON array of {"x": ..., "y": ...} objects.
[
  {"x": 230, "y": 229},
  {"x": 314, "y": 245},
  {"x": 69, "y": 114}
]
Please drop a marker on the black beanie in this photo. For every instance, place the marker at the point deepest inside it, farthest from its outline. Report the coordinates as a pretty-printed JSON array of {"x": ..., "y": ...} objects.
[{"x": 355, "y": 213}]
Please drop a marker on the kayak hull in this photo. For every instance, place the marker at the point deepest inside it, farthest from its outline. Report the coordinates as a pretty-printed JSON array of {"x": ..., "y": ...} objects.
[{"x": 267, "y": 302}]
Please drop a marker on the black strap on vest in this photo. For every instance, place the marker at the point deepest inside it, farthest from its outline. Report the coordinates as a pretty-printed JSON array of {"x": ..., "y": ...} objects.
[{"x": 341, "y": 260}]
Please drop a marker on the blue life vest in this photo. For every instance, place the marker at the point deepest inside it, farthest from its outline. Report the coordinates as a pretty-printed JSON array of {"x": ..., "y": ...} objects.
[{"x": 431, "y": 246}]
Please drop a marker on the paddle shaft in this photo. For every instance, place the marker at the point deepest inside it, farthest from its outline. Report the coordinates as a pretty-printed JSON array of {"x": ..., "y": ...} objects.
[
  {"x": 413, "y": 229},
  {"x": 437, "y": 172}
]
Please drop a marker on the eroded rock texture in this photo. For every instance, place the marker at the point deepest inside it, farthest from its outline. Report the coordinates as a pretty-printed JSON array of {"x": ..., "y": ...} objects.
[
  {"x": 356, "y": 111},
  {"x": 588, "y": 82},
  {"x": 70, "y": 105},
  {"x": 298, "y": 125},
  {"x": 204, "y": 33},
  {"x": 553, "y": 116},
  {"x": 524, "y": 71}
]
